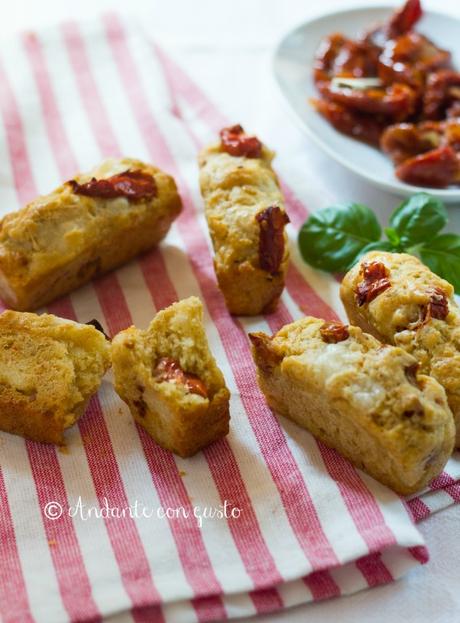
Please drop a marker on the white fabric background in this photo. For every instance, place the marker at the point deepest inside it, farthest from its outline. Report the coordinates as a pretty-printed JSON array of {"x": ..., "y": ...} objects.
[{"x": 226, "y": 47}]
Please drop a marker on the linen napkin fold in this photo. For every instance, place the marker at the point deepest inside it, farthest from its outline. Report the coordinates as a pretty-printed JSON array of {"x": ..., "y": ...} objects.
[{"x": 262, "y": 520}]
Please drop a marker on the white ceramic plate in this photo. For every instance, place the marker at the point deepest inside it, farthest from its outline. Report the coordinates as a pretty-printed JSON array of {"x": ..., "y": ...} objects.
[{"x": 292, "y": 66}]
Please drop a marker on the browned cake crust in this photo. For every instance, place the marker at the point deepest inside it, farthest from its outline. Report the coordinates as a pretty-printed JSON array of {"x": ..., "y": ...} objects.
[
  {"x": 365, "y": 400},
  {"x": 414, "y": 309},
  {"x": 170, "y": 380},
  {"x": 62, "y": 240},
  {"x": 49, "y": 369},
  {"x": 245, "y": 213}
]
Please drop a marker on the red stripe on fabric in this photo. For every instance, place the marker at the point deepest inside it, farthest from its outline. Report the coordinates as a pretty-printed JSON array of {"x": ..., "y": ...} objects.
[
  {"x": 305, "y": 296},
  {"x": 15, "y": 138},
  {"x": 113, "y": 303},
  {"x": 190, "y": 545},
  {"x": 181, "y": 84},
  {"x": 201, "y": 577},
  {"x": 89, "y": 91},
  {"x": 454, "y": 491},
  {"x": 360, "y": 502},
  {"x": 58, "y": 138},
  {"x": 374, "y": 570},
  {"x": 449, "y": 484},
  {"x": 140, "y": 595},
  {"x": 420, "y": 553},
  {"x": 266, "y": 600},
  {"x": 187, "y": 535},
  {"x": 296, "y": 499},
  {"x": 123, "y": 534},
  {"x": 221, "y": 461},
  {"x": 257, "y": 551},
  {"x": 14, "y": 602},
  {"x": 157, "y": 279},
  {"x": 40, "y": 456},
  {"x": 370, "y": 512},
  {"x": 321, "y": 585},
  {"x": 418, "y": 509},
  {"x": 73, "y": 580},
  {"x": 298, "y": 212},
  {"x": 441, "y": 481},
  {"x": 246, "y": 531}
]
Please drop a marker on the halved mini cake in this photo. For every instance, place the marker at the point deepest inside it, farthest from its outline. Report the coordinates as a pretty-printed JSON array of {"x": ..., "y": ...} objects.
[
  {"x": 49, "y": 369},
  {"x": 170, "y": 380}
]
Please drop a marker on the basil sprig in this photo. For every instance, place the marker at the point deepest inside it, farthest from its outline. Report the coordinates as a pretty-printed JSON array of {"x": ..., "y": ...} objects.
[{"x": 334, "y": 238}]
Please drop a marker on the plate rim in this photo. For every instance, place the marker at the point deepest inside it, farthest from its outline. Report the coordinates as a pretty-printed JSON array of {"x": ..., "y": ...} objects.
[{"x": 396, "y": 187}]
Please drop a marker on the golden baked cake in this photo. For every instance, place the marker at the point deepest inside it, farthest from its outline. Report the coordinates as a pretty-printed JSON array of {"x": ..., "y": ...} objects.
[
  {"x": 400, "y": 301},
  {"x": 245, "y": 212},
  {"x": 84, "y": 228},
  {"x": 49, "y": 369},
  {"x": 170, "y": 380},
  {"x": 365, "y": 399}
]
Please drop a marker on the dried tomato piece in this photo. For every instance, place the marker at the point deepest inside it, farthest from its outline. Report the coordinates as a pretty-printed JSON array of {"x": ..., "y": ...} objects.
[
  {"x": 442, "y": 92},
  {"x": 236, "y": 143},
  {"x": 438, "y": 307},
  {"x": 396, "y": 101},
  {"x": 410, "y": 58},
  {"x": 404, "y": 19},
  {"x": 374, "y": 283},
  {"x": 134, "y": 185},
  {"x": 333, "y": 332},
  {"x": 401, "y": 21},
  {"x": 406, "y": 140},
  {"x": 338, "y": 56},
  {"x": 325, "y": 56},
  {"x": 167, "y": 369},
  {"x": 436, "y": 168},
  {"x": 360, "y": 126},
  {"x": 271, "y": 238},
  {"x": 454, "y": 110}
]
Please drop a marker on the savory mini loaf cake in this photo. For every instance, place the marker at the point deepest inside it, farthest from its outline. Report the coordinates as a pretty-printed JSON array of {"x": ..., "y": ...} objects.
[
  {"x": 400, "y": 301},
  {"x": 365, "y": 399},
  {"x": 170, "y": 380},
  {"x": 84, "y": 228},
  {"x": 49, "y": 369},
  {"x": 245, "y": 212}
]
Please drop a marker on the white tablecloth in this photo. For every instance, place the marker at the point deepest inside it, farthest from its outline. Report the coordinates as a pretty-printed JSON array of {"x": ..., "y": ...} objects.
[{"x": 227, "y": 48}]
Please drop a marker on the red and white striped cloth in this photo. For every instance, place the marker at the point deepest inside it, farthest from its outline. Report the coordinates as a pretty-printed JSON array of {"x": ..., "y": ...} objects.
[{"x": 311, "y": 526}]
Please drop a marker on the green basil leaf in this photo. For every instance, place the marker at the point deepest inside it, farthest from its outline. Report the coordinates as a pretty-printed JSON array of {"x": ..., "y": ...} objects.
[
  {"x": 332, "y": 237},
  {"x": 379, "y": 245},
  {"x": 442, "y": 255},
  {"x": 392, "y": 236},
  {"x": 418, "y": 219}
]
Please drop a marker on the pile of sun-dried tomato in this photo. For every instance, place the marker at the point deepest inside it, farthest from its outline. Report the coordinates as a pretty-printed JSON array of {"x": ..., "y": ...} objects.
[{"x": 394, "y": 88}]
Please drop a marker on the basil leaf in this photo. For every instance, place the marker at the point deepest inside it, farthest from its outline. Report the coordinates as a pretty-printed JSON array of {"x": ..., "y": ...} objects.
[
  {"x": 442, "y": 255},
  {"x": 418, "y": 219},
  {"x": 332, "y": 237},
  {"x": 379, "y": 245},
  {"x": 393, "y": 237}
]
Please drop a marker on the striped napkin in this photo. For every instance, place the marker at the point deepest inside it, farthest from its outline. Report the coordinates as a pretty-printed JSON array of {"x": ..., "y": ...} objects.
[{"x": 260, "y": 521}]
